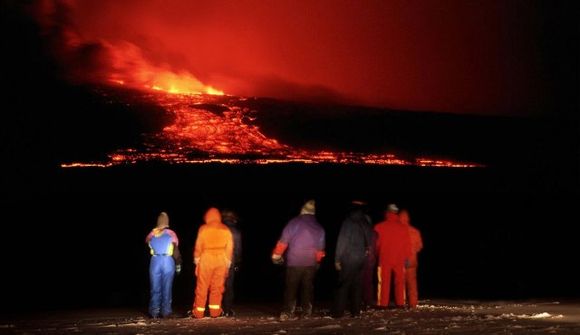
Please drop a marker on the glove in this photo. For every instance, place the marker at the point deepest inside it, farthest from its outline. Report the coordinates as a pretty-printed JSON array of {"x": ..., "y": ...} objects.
[
  {"x": 407, "y": 263},
  {"x": 337, "y": 266},
  {"x": 277, "y": 259},
  {"x": 178, "y": 269}
]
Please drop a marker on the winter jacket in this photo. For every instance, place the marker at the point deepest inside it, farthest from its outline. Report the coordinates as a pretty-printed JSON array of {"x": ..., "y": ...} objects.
[
  {"x": 213, "y": 237},
  {"x": 303, "y": 239},
  {"x": 393, "y": 241},
  {"x": 164, "y": 241},
  {"x": 354, "y": 239},
  {"x": 237, "y": 236}
]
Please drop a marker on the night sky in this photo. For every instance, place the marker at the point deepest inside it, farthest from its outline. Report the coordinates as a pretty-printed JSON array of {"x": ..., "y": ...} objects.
[
  {"x": 75, "y": 237},
  {"x": 483, "y": 57}
]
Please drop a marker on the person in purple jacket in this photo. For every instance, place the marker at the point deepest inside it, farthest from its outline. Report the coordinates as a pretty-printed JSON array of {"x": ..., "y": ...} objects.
[{"x": 303, "y": 241}]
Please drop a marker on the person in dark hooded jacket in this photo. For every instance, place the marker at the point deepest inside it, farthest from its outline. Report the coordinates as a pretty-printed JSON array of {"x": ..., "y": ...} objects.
[
  {"x": 230, "y": 219},
  {"x": 352, "y": 249}
]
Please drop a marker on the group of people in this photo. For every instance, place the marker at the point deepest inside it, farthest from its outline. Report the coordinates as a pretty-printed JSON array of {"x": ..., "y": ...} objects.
[
  {"x": 388, "y": 249},
  {"x": 217, "y": 253}
]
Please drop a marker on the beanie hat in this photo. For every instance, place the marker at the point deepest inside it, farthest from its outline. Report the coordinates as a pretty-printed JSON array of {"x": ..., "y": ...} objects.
[{"x": 309, "y": 207}]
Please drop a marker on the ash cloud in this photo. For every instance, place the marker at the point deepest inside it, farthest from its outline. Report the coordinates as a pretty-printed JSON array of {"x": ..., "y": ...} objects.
[{"x": 98, "y": 60}]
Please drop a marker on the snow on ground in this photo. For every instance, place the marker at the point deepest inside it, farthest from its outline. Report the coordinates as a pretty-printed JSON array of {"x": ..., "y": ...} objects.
[{"x": 432, "y": 317}]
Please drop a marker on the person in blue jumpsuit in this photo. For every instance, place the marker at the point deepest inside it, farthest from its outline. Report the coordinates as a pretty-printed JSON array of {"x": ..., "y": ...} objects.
[{"x": 165, "y": 261}]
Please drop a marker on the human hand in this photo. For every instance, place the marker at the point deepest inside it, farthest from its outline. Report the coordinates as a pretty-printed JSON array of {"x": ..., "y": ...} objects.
[
  {"x": 337, "y": 266},
  {"x": 277, "y": 259},
  {"x": 178, "y": 269}
]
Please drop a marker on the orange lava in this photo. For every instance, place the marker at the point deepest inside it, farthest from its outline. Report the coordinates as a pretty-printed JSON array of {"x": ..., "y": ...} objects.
[{"x": 226, "y": 134}]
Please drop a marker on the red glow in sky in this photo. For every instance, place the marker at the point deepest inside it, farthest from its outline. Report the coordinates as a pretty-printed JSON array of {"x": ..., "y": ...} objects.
[{"x": 454, "y": 56}]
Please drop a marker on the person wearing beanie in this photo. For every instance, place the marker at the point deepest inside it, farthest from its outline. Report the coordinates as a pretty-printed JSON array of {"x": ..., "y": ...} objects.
[
  {"x": 411, "y": 266},
  {"x": 230, "y": 219},
  {"x": 394, "y": 250},
  {"x": 303, "y": 243},
  {"x": 165, "y": 261},
  {"x": 213, "y": 257}
]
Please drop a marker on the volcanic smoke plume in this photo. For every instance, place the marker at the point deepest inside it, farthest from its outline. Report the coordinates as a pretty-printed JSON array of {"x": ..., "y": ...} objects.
[
  {"x": 484, "y": 57},
  {"x": 102, "y": 61}
]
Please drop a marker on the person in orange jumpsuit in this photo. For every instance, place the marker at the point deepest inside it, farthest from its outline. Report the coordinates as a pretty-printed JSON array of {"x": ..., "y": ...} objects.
[
  {"x": 393, "y": 249},
  {"x": 213, "y": 258},
  {"x": 411, "y": 266}
]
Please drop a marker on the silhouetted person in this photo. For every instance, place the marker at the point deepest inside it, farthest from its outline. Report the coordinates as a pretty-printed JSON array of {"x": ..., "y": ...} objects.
[
  {"x": 412, "y": 264},
  {"x": 230, "y": 219},
  {"x": 303, "y": 241},
  {"x": 394, "y": 249},
  {"x": 213, "y": 258},
  {"x": 352, "y": 249},
  {"x": 369, "y": 292},
  {"x": 165, "y": 261}
]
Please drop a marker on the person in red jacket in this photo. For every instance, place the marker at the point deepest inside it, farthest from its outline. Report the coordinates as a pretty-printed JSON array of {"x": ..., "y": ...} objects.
[
  {"x": 394, "y": 250},
  {"x": 411, "y": 270},
  {"x": 213, "y": 258}
]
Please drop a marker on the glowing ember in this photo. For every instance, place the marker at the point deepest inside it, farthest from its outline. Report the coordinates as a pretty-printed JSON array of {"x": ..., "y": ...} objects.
[{"x": 215, "y": 129}]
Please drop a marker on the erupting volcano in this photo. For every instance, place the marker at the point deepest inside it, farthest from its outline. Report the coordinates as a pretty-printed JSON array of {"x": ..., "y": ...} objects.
[{"x": 184, "y": 66}]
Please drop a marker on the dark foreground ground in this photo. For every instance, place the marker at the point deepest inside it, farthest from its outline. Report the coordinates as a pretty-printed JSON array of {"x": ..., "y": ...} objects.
[{"x": 432, "y": 317}]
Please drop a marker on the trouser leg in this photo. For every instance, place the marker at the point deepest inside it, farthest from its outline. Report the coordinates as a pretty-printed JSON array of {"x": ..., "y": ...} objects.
[
  {"x": 385, "y": 285},
  {"x": 168, "y": 273},
  {"x": 356, "y": 290},
  {"x": 411, "y": 283},
  {"x": 155, "y": 287},
  {"x": 204, "y": 274},
  {"x": 341, "y": 294},
  {"x": 291, "y": 289},
  {"x": 399, "y": 285},
  {"x": 368, "y": 283},
  {"x": 216, "y": 290},
  {"x": 307, "y": 295},
  {"x": 228, "y": 298}
]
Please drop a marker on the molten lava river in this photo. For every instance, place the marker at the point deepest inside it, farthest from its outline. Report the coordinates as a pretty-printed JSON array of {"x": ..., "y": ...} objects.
[{"x": 217, "y": 128}]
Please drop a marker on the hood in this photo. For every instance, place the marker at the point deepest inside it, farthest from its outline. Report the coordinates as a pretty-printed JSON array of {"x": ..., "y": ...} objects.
[
  {"x": 162, "y": 221},
  {"x": 357, "y": 215},
  {"x": 212, "y": 216},
  {"x": 404, "y": 218},
  {"x": 391, "y": 217},
  {"x": 229, "y": 217}
]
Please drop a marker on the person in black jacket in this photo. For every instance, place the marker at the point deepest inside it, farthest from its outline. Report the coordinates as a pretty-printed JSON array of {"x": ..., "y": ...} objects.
[
  {"x": 230, "y": 219},
  {"x": 352, "y": 249}
]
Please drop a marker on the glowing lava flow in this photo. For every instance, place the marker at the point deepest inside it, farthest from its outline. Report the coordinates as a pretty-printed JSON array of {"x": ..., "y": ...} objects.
[
  {"x": 216, "y": 129},
  {"x": 170, "y": 82}
]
